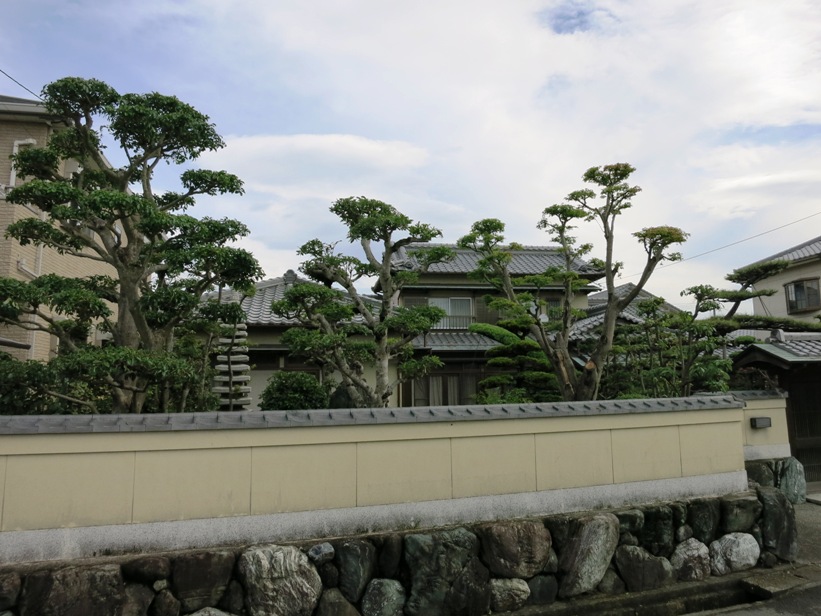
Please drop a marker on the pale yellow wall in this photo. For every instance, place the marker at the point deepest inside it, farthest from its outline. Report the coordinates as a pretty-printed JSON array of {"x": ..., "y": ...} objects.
[
  {"x": 704, "y": 449},
  {"x": 62, "y": 480},
  {"x": 27, "y": 262},
  {"x": 494, "y": 465},
  {"x": 280, "y": 474},
  {"x": 179, "y": 485},
  {"x": 777, "y": 434},
  {"x": 776, "y": 305},
  {"x": 75, "y": 489},
  {"x": 558, "y": 463},
  {"x": 403, "y": 471}
]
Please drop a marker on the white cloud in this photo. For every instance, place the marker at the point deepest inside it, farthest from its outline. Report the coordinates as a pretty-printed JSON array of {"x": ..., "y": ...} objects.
[{"x": 460, "y": 110}]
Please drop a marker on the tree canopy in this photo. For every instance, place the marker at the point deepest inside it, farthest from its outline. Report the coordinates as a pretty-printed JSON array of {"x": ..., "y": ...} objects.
[
  {"x": 160, "y": 259},
  {"x": 611, "y": 197},
  {"x": 355, "y": 336}
]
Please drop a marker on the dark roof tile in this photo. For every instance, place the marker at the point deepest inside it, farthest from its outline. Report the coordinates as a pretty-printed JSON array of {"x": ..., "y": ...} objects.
[
  {"x": 806, "y": 250},
  {"x": 526, "y": 260}
]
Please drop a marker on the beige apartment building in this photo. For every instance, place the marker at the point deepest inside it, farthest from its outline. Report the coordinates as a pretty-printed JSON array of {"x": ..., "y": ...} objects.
[{"x": 26, "y": 124}]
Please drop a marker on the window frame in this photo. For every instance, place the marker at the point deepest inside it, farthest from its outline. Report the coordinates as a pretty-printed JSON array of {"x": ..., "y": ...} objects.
[
  {"x": 18, "y": 143},
  {"x": 450, "y": 320},
  {"x": 792, "y": 304}
]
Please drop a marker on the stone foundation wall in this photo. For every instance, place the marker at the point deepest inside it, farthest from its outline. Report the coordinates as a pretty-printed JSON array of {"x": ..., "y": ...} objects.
[
  {"x": 477, "y": 569},
  {"x": 786, "y": 474}
]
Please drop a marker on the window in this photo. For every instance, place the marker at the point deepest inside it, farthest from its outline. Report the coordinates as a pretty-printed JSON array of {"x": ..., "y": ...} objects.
[
  {"x": 459, "y": 312},
  {"x": 18, "y": 147},
  {"x": 444, "y": 390},
  {"x": 803, "y": 295}
]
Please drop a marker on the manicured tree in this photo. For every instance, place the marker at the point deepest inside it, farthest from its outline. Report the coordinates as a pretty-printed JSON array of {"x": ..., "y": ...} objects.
[
  {"x": 161, "y": 259},
  {"x": 348, "y": 333},
  {"x": 288, "y": 391},
  {"x": 677, "y": 353},
  {"x": 667, "y": 354},
  {"x": 747, "y": 277},
  {"x": 519, "y": 371},
  {"x": 614, "y": 196}
]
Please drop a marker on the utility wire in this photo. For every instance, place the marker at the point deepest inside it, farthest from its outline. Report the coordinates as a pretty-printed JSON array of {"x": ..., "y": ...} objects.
[
  {"x": 20, "y": 84},
  {"x": 752, "y": 237},
  {"x": 746, "y": 239}
]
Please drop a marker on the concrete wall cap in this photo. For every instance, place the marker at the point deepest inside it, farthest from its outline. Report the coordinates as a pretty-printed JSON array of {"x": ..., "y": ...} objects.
[{"x": 221, "y": 420}]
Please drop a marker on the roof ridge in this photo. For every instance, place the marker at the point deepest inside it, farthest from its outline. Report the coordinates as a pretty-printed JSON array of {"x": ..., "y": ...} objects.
[
  {"x": 521, "y": 247},
  {"x": 787, "y": 251}
]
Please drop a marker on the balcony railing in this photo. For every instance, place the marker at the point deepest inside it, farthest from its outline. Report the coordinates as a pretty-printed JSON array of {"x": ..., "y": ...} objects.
[{"x": 454, "y": 322}]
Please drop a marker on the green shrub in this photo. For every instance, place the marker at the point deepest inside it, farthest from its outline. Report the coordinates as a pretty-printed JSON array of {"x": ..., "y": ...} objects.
[{"x": 287, "y": 391}]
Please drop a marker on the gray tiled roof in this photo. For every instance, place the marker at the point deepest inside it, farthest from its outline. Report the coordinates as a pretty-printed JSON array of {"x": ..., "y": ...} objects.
[
  {"x": 621, "y": 290},
  {"x": 243, "y": 420},
  {"x": 793, "y": 348},
  {"x": 454, "y": 341},
  {"x": 801, "y": 348},
  {"x": 585, "y": 326},
  {"x": 527, "y": 260},
  {"x": 258, "y": 307},
  {"x": 754, "y": 394},
  {"x": 806, "y": 250}
]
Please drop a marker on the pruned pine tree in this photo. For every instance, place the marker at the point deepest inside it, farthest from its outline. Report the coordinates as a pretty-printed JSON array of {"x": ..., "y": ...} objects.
[
  {"x": 613, "y": 195},
  {"x": 352, "y": 335},
  {"x": 161, "y": 259}
]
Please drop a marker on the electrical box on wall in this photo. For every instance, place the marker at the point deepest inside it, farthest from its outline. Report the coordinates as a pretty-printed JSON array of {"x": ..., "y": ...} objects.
[{"x": 761, "y": 422}]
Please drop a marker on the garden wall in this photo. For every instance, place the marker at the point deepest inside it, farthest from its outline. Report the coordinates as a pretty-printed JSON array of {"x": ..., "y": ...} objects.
[
  {"x": 607, "y": 560},
  {"x": 75, "y": 486}
]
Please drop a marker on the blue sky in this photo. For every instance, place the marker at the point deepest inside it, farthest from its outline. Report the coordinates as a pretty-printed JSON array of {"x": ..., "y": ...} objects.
[{"x": 459, "y": 110}]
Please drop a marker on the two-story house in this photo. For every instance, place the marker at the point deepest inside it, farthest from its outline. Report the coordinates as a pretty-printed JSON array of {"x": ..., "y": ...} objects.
[
  {"x": 446, "y": 285},
  {"x": 26, "y": 124},
  {"x": 798, "y": 287},
  {"x": 449, "y": 286}
]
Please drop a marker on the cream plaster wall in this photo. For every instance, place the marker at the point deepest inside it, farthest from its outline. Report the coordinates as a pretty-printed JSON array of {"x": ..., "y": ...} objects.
[
  {"x": 88, "y": 479},
  {"x": 777, "y": 434}
]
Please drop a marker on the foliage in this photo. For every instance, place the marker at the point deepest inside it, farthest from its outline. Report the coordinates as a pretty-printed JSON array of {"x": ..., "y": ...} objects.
[
  {"x": 677, "y": 353},
  {"x": 519, "y": 370},
  {"x": 160, "y": 259},
  {"x": 288, "y": 391},
  {"x": 670, "y": 353},
  {"x": 747, "y": 277},
  {"x": 23, "y": 387},
  {"x": 344, "y": 331},
  {"x": 528, "y": 309}
]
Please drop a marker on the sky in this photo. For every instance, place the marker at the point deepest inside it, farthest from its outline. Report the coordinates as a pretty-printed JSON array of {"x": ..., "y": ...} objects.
[{"x": 458, "y": 110}]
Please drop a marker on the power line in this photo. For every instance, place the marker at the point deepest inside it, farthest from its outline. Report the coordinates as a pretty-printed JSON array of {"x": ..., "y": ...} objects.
[
  {"x": 746, "y": 239},
  {"x": 752, "y": 237},
  {"x": 20, "y": 84}
]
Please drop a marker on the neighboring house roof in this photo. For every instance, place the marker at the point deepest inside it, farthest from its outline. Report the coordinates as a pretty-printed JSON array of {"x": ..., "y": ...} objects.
[
  {"x": 526, "y": 260},
  {"x": 599, "y": 298},
  {"x": 258, "y": 307},
  {"x": 11, "y": 105},
  {"x": 586, "y": 326},
  {"x": 783, "y": 350},
  {"x": 811, "y": 249}
]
